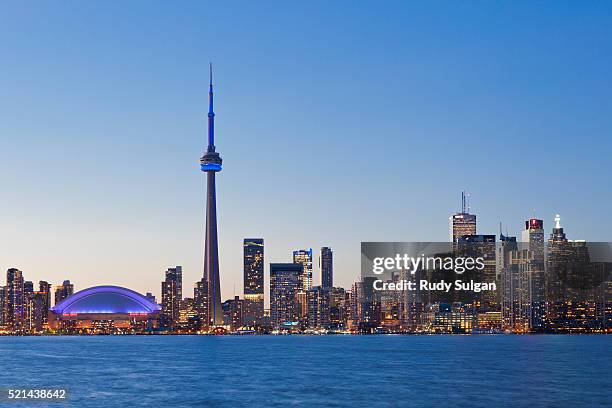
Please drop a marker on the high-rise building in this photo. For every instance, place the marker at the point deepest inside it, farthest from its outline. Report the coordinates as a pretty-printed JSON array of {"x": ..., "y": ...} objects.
[
  {"x": 41, "y": 302},
  {"x": 28, "y": 300},
  {"x": 63, "y": 291},
  {"x": 533, "y": 234},
  {"x": 186, "y": 311},
  {"x": 533, "y": 237},
  {"x": 233, "y": 312},
  {"x": 327, "y": 267},
  {"x": 3, "y": 299},
  {"x": 201, "y": 302},
  {"x": 253, "y": 278},
  {"x": 15, "y": 300},
  {"x": 462, "y": 223},
  {"x": 284, "y": 286},
  {"x": 171, "y": 296},
  {"x": 339, "y": 307},
  {"x": 44, "y": 288},
  {"x": 479, "y": 246},
  {"x": 516, "y": 302},
  {"x": 318, "y": 300},
  {"x": 304, "y": 257},
  {"x": 211, "y": 163}
]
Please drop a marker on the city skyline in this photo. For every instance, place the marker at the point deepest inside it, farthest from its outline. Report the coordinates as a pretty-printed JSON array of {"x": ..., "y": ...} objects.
[{"x": 97, "y": 215}]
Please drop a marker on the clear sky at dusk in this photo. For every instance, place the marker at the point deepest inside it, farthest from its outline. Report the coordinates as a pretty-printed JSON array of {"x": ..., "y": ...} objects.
[{"x": 338, "y": 122}]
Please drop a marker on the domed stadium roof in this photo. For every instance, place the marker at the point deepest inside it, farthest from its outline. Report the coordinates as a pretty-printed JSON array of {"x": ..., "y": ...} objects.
[{"x": 106, "y": 299}]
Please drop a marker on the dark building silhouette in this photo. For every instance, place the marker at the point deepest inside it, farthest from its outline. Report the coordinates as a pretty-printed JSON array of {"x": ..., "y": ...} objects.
[
  {"x": 63, "y": 291},
  {"x": 327, "y": 267}
]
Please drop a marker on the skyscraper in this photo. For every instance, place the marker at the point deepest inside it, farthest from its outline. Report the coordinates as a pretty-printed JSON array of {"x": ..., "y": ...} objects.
[
  {"x": 533, "y": 236},
  {"x": 318, "y": 302},
  {"x": 210, "y": 163},
  {"x": 284, "y": 286},
  {"x": 15, "y": 301},
  {"x": 3, "y": 299},
  {"x": 201, "y": 302},
  {"x": 253, "y": 277},
  {"x": 63, "y": 291},
  {"x": 462, "y": 223},
  {"x": 28, "y": 304},
  {"x": 304, "y": 257},
  {"x": 171, "y": 295},
  {"x": 327, "y": 267}
]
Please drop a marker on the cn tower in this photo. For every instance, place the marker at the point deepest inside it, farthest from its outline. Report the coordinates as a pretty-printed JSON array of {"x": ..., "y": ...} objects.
[{"x": 210, "y": 164}]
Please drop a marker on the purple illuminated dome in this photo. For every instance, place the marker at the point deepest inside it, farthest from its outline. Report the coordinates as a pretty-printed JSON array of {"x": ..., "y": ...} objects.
[{"x": 105, "y": 300}]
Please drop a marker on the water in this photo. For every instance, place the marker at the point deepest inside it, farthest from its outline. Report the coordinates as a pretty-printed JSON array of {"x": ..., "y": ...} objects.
[{"x": 336, "y": 371}]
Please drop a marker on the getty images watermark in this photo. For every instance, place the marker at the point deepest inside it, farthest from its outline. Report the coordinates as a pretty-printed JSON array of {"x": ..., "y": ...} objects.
[
  {"x": 429, "y": 266},
  {"x": 480, "y": 270}
]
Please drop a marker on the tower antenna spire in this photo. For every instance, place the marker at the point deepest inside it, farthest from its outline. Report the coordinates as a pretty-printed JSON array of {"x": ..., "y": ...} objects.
[
  {"x": 211, "y": 163},
  {"x": 211, "y": 113}
]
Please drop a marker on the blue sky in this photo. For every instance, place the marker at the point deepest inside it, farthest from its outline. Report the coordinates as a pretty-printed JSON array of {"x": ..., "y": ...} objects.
[{"x": 338, "y": 122}]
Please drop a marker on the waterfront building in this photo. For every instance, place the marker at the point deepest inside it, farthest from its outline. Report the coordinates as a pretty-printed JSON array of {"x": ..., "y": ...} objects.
[
  {"x": 28, "y": 297},
  {"x": 15, "y": 300},
  {"x": 577, "y": 287},
  {"x": 233, "y": 312},
  {"x": 171, "y": 297},
  {"x": 285, "y": 284},
  {"x": 516, "y": 299},
  {"x": 253, "y": 259},
  {"x": 479, "y": 246},
  {"x": 318, "y": 302},
  {"x": 326, "y": 264},
  {"x": 304, "y": 257},
  {"x": 187, "y": 314},
  {"x": 339, "y": 307},
  {"x": 104, "y": 309},
  {"x": 201, "y": 303},
  {"x": 3, "y": 301},
  {"x": 533, "y": 237}
]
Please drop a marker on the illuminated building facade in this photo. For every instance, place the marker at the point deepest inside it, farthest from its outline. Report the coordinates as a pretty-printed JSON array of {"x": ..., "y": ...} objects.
[
  {"x": 102, "y": 309},
  {"x": 327, "y": 267},
  {"x": 318, "y": 302},
  {"x": 171, "y": 289},
  {"x": 285, "y": 284},
  {"x": 533, "y": 237},
  {"x": 304, "y": 257},
  {"x": 462, "y": 223},
  {"x": 233, "y": 312},
  {"x": 15, "y": 300},
  {"x": 253, "y": 258}
]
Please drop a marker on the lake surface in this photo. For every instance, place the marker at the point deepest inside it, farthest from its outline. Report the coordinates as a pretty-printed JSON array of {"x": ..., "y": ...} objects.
[{"x": 337, "y": 371}]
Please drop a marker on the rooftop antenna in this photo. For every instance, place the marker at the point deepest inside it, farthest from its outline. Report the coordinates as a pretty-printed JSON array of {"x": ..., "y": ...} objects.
[
  {"x": 463, "y": 202},
  {"x": 468, "y": 203}
]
